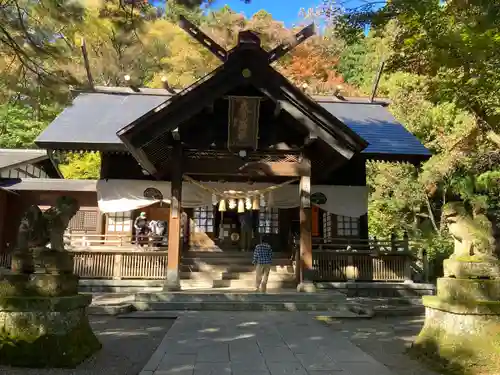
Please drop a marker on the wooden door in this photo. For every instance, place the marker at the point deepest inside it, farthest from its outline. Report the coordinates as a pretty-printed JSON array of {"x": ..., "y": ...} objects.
[{"x": 157, "y": 213}]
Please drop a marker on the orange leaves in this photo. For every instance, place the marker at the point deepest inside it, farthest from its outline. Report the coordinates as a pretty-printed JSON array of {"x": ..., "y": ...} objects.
[{"x": 311, "y": 65}]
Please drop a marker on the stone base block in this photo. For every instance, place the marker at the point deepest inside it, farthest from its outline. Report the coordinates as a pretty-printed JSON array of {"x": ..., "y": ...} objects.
[
  {"x": 22, "y": 262},
  {"x": 306, "y": 287},
  {"x": 50, "y": 285},
  {"x": 39, "y": 285},
  {"x": 14, "y": 284},
  {"x": 460, "y": 336},
  {"x": 468, "y": 290},
  {"x": 172, "y": 281},
  {"x": 52, "y": 261},
  {"x": 471, "y": 268},
  {"x": 45, "y": 331}
]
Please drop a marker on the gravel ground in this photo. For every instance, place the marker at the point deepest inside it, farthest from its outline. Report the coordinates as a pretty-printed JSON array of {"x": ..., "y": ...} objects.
[
  {"x": 127, "y": 346},
  {"x": 386, "y": 340}
]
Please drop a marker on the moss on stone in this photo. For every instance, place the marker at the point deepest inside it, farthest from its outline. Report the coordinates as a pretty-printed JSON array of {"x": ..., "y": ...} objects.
[
  {"x": 465, "y": 307},
  {"x": 466, "y": 290},
  {"x": 453, "y": 354},
  {"x": 470, "y": 258},
  {"x": 49, "y": 350},
  {"x": 48, "y": 304}
]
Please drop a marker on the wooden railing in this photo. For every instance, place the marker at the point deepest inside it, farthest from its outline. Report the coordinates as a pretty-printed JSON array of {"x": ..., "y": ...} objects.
[
  {"x": 120, "y": 264},
  {"x": 83, "y": 241},
  {"x": 342, "y": 259},
  {"x": 363, "y": 245},
  {"x": 351, "y": 266},
  {"x": 4, "y": 260},
  {"x": 151, "y": 265}
]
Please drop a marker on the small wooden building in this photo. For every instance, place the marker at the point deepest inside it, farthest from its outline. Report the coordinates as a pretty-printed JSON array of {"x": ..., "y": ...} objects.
[
  {"x": 15, "y": 166},
  {"x": 241, "y": 141}
]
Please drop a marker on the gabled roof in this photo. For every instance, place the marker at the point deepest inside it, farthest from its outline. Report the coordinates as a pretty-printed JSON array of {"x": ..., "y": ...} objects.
[
  {"x": 12, "y": 158},
  {"x": 16, "y": 158},
  {"x": 246, "y": 66},
  {"x": 92, "y": 121},
  {"x": 47, "y": 184},
  {"x": 386, "y": 136}
]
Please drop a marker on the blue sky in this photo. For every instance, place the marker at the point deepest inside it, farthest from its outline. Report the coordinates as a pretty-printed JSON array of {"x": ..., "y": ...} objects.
[{"x": 282, "y": 10}]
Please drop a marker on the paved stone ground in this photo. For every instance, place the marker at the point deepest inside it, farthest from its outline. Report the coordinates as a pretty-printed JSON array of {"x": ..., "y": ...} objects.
[
  {"x": 386, "y": 340},
  {"x": 258, "y": 343},
  {"x": 127, "y": 346}
]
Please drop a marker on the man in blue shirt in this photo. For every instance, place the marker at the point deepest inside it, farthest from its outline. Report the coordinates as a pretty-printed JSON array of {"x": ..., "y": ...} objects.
[{"x": 262, "y": 258}]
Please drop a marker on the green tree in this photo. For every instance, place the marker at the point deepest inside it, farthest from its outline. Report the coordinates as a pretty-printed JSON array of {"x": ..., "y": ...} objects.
[
  {"x": 18, "y": 127},
  {"x": 85, "y": 166}
]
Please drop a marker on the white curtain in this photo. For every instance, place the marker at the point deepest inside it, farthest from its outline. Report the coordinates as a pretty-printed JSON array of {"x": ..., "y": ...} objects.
[{"x": 128, "y": 195}]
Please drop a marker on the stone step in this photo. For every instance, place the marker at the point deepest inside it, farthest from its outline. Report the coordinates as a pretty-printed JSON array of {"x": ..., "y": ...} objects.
[
  {"x": 230, "y": 261},
  {"x": 233, "y": 268},
  {"x": 276, "y": 276},
  {"x": 209, "y": 296},
  {"x": 237, "y": 284},
  {"x": 111, "y": 309},
  {"x": 229, "y": 254},
  {"x": 346, "y": 309}
]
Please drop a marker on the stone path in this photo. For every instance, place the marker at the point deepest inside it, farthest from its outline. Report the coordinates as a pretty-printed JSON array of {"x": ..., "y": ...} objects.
[
  {"x": 386, "y": 340},
  {"x": 258, "y": 343},
  {"x": 127, "y": 346}
]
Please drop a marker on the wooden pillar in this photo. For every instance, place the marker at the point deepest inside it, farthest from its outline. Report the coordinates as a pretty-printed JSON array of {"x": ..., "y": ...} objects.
[
  {"x": 172, "y": 281},
  {"x": 306, "y": 256}
]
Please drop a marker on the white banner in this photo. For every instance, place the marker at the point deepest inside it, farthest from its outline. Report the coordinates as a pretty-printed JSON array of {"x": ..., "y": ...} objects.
[{"x": 128, "y": 195}]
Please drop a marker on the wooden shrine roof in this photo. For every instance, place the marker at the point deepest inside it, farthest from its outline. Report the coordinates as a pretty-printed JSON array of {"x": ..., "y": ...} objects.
[
  {"x": 16, "y": 158},
  {"x": 47, "y": 184},
  {"x": 94, "y": 118}
]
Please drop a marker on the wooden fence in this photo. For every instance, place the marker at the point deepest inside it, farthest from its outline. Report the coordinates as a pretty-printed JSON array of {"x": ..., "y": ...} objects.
[
  {"x": 151, "y": 265},
  {"x": 84, "y": 241}
]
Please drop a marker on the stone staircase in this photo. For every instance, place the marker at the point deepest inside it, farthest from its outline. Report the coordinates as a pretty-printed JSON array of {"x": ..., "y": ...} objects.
[
  {"x": 334, "y": 303},
  {"x": 232, "y": 270}
]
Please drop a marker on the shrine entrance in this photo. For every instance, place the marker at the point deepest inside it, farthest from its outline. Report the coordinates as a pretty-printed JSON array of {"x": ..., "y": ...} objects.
[{"x": 242, "y": 124}]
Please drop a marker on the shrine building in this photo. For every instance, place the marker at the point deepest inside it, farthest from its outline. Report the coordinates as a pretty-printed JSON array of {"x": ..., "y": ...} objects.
[{"x": 241, "y": 150}]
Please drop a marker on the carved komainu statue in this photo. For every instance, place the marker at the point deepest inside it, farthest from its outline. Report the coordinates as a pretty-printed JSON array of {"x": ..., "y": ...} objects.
[
  {"x": 473, "y": 233},
  {"x": 57, "y": 218},
  {"x": 33, "y": 231},
  {"x": 38, "y": 228}
]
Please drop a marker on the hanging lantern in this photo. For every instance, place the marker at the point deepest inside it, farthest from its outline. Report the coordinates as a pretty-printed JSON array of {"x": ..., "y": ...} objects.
[
  {"x": 248, "y": 204},
  {"x": 232, "y": 204},
  {"x": 222, "y": 205},
  {"x": 214, "y": 199},
  {"x": 262, "y": 201},
  {"x": 241, "y": 206},
  {"x": 255, "y": 203}
]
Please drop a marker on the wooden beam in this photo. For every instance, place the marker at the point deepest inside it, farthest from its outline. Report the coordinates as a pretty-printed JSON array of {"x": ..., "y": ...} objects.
[
  {"x": 284, "y": 48},
  {"x": 306, "y": 260},
  {"x": 311, "y": 138},
  {"x": 202, "y": 38},
  {"x": 172, "y": 281},
  {"x": 239, "y": 166}
]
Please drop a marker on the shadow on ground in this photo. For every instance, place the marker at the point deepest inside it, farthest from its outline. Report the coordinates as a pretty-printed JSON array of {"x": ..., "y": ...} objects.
[
  {"x": 127, "y": 346},
  {"x": 386, "y": 340}
]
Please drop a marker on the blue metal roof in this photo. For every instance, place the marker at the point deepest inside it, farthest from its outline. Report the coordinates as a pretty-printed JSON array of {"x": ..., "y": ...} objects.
[
  {"x": 378, "y": 127},
  {"x": 94, "y": 118}
]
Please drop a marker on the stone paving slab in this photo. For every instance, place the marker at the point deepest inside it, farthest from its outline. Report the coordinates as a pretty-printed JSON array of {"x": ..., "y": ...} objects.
[
  {"x": 258, "y": 343},
  {"x": 127, "y": 347}
]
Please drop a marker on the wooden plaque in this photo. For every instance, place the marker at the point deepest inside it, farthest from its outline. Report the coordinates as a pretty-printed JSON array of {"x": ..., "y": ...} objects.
[{"x": 243, "y": 123}]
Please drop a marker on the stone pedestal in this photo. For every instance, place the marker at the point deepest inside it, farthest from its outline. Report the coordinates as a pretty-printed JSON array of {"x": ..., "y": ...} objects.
[
  {"x": 43, "y": 319},
  {"x": 172, "y": 281},
  {"x": 45, "y": 331},
  {"x": 307, "y": 285},
  {"x": 462, "y": 322}
]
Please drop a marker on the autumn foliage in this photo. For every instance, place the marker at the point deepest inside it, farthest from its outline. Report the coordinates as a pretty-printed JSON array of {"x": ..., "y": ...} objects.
[{"x": 315, "y": 71}]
